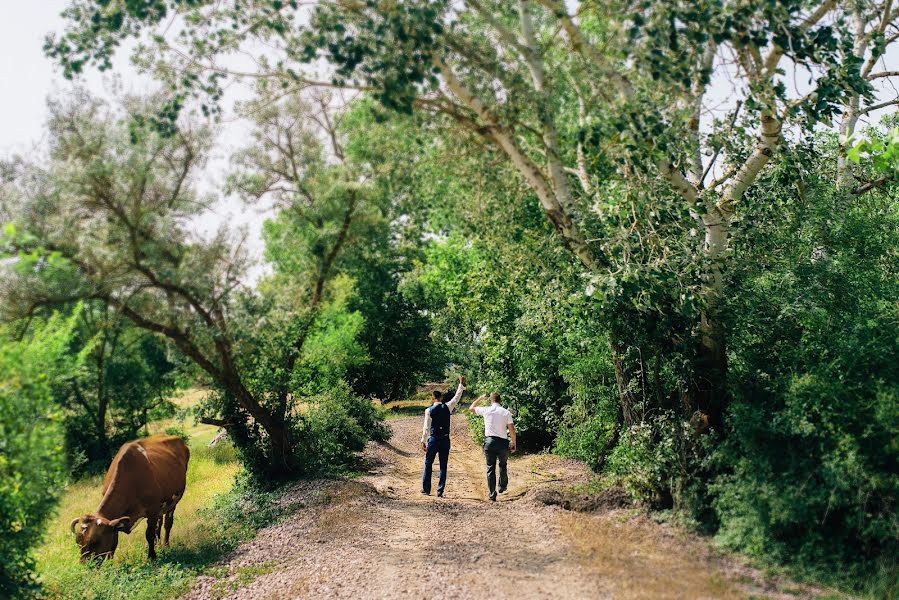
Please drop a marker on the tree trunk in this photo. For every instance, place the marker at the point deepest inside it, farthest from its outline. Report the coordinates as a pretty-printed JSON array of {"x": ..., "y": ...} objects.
[
  {"x": 711, "y": 363},
  {"x": 711, "y": 372},
  {"x": 629, "y": 384},
  {"x": 274, "y": 427},
  {"x": 102, "y": 403},
  {"x": 279, "y": 444}
]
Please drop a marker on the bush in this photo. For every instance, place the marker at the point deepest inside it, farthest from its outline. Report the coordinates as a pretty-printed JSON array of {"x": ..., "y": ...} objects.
[
  {"x": 588, "y": 426},
  {"x": 585, "y": 434},
  {"x": 177, "y": 430},
  {"x": 32, "y": 463},
  {"x": 642, "y": 464},
  {"x": 337, "y": 426},
  {"x": 369, "y": 417},
  {"x": 808, "y": 472}
]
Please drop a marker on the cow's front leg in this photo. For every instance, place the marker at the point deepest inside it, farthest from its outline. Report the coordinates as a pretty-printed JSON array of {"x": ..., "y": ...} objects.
[{"x": 151, "y": 536}]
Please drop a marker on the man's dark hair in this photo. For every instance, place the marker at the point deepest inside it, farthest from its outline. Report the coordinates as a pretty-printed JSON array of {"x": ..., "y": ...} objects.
[
  {"x": 494, "y": 397},
  {"x": 437, "y": 395}
]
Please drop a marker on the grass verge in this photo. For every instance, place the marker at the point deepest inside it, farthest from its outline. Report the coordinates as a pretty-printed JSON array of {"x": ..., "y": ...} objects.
[{"x": 214, "y": 516}]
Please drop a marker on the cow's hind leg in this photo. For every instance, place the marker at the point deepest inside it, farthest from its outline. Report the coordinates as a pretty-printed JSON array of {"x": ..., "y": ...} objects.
[
  {"x": 151, "y": 536},
  {"x": 169, "y": 519}
]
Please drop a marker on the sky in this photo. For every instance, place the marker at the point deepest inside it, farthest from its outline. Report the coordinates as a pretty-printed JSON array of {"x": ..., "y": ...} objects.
[{"x": 28, "y": 77}]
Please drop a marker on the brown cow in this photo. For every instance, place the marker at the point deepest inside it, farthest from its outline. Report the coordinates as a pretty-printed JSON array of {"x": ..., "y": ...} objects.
[{"x": 145, "y": 480}]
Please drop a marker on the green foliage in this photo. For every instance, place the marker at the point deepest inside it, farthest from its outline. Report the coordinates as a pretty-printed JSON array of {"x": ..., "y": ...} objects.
[
  {"x": 32, "y": 464},
  {"x": 332, "y": 347},
  {"x": 123, "y": 385},
  {"x": 588, "y": 429},
  {"x": 396, "y": 335},
  {"x": 882, "y": 152},
  {"x": 397, "y": 332},
  {"x": 641, "y": 464},
  {"x": 336, "y": 426},
  {"x": 482, "y": 324},
  {"x": 809, "y": 468}
]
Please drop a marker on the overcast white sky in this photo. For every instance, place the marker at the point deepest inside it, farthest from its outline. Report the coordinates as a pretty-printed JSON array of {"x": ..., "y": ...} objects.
[{"x": 27, "y": 76}]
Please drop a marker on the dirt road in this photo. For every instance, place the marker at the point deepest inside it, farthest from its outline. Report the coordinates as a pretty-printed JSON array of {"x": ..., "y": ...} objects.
[{"x": 378, "y": 537}]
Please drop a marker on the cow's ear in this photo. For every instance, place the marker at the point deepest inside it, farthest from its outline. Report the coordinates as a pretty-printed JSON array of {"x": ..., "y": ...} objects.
[{"x": 121, "y": 524}]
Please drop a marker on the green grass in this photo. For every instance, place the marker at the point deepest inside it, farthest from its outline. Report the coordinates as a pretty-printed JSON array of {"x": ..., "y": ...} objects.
[
  {"x": 398, "y": 412},
  {"x": 210, "y": 520}
]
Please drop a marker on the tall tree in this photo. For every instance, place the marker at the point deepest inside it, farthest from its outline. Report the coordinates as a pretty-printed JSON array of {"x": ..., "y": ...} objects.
[
  {"x": 576, "y": 101},
  {"x": 107, "y": 219},
  {"x": 297, "y": 165},
  {"x": 124, "y": 382}
]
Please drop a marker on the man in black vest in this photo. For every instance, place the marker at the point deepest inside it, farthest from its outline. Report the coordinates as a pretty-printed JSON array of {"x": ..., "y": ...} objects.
[{"x": 436, "y": 430}]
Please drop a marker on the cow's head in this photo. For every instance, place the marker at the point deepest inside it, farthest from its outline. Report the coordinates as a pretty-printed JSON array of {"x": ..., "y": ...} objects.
[{"x": 98, "y": 537}]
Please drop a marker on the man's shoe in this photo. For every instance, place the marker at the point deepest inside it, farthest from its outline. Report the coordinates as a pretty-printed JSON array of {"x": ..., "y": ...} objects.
[
  {"x": 426, "y": 493},
  {"x": 440, "y": 494},
  {"x": 493, "y": 497},
  {"x": 502, "y": 490}
]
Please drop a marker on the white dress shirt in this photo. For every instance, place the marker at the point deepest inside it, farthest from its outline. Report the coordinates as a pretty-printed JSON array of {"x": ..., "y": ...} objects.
[
  {"x": 425, "y": 431},
  {"x": 496, "y": 420}
]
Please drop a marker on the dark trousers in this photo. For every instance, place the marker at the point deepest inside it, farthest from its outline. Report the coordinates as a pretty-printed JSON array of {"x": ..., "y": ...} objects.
[
  {"x": 496, "y": 449},
  {"x": 439, "y": 446}
]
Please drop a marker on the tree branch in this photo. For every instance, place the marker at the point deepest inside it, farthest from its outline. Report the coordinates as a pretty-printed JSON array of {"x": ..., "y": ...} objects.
[
  {"x": 502, "y": 137},
  {"x": 871, "y": 185},
  {"x": 769, "y": 138},
  {"x": 881, "y": 74},
  {"x": 217, "y": 422},
  {"x": 873, "y": 107}
]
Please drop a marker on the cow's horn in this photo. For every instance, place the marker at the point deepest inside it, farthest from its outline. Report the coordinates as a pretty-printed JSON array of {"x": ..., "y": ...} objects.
[{"x": 74, "y": 522}]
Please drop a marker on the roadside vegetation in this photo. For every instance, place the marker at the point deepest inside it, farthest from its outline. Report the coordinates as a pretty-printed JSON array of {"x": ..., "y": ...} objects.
[{"x": 215, "y": 514}]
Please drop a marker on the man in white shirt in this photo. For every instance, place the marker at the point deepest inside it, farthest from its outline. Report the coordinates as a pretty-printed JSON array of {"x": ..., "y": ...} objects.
[
  {"x": 436, "y": 431},
  {"x": 496, "y": 442}
]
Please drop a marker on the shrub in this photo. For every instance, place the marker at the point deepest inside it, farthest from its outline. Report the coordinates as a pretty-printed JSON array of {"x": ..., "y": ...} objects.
[
  {"x": 588, "y": 426},
  {"x": 336, "y": 427},
  {"x": 585, "y": 434},
  {"x": 179, "y": 431},
  {"x": 808, "y": 470},
  {"x": 32, "y": 464},
  {"x": 641, "y": 464}
]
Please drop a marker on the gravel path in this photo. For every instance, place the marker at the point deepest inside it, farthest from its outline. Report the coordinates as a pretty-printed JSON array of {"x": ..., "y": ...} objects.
[{"x": 378, "y": 537}]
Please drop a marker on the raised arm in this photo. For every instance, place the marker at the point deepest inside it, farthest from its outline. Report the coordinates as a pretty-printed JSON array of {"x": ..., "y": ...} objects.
[
  {"x": 475, "y": 403},
  {"x": 458, "y": 396},
  {"x": 425, "y": 428}
]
